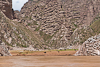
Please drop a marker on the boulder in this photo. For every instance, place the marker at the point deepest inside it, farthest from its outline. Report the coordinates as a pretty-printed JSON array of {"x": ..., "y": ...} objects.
[
  {"x": 4, "y": 51},
  {"x": 91, "y": 47}
]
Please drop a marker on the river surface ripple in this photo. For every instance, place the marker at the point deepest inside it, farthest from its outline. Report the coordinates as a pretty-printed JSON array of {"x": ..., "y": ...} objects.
[{"x": 50, "y": 61}]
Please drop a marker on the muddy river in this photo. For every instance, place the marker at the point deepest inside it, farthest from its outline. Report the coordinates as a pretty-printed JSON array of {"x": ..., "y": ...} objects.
[{"x": 50, "y": 61}]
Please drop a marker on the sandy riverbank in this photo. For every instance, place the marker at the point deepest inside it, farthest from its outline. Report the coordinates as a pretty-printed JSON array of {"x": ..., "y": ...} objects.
[{"x": 42, "y": 53}]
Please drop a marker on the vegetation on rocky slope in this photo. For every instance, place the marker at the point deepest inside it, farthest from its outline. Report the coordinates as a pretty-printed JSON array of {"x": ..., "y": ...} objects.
[
  {"x": 15, "y": 34},
  {"x": 51, "y": 24},
  {"x": 61, "y": 22},
  {"x": 83, "y": 33}
]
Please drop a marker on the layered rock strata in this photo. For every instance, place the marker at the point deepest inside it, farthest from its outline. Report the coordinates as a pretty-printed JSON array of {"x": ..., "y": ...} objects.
[
  {"x": 49, "y": 24},
  {"x": 16, "y": 35},
  {"x": 90, "y": 47},
  {"x": 58, "y": 19}
]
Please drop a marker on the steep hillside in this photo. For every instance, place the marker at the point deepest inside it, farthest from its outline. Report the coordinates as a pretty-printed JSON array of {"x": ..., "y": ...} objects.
[
  {"x": 96, "y": 26},
  {"x": 61, "y": 22},
  {"x": 49, "y": 24},
  {"x": 16, "y": 35},
  {"x": 81, "y": 34},
  {"x": 91, "y": 47}
]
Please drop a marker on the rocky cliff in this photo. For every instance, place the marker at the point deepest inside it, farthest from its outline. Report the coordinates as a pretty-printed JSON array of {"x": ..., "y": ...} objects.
[
  {"x": 16, "y": 35},
  {"x": 60, "y": 22},
  {"x": 6, "y": 8},
  {"x": 91, "y": 47},
  {"x": 50, "y": 24}
]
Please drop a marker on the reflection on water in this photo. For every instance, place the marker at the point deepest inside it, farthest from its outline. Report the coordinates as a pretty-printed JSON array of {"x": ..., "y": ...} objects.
[{"x": 50, "y": 61}]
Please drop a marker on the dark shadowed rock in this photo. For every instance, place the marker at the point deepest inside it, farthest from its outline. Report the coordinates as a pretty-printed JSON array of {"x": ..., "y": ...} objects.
[{"x": 6, "y": 8}]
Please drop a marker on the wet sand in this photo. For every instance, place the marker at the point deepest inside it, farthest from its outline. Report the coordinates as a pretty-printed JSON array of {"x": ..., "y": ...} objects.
[{"x": 50, "y": 61}]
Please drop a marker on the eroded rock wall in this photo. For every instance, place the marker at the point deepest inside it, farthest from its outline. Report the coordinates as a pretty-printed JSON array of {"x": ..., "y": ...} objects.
[
  {"x": 4, "y": 51},
  {"x": 58, "y": 19},
  {"x": 6, "y": 8},
  {"x": 90, "y": 47}
]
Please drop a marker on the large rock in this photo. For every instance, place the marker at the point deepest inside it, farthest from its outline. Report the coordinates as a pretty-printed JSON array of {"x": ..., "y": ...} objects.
[
  {"x": 91, "y": 47},
  {"x": 6, "y": 8},
  {"x": 4, "y": 51}
]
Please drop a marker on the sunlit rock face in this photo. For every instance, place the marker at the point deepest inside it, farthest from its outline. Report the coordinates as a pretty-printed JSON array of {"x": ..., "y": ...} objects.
[
  {"x": 57, "y": 21},
  {"x": 91, "y": 47},
  {"x": 6, "y": 8}
]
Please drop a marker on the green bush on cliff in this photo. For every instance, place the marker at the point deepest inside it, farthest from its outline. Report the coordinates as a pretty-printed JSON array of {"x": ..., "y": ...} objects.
[
  {"x": 45, "y": 36},
  {"x": 96, "y": 26}
]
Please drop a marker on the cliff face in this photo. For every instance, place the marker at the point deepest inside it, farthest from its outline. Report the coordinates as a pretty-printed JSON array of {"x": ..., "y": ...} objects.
[
  {"x": 14, "y": 34},
  {"x": 50, "y": 23},
  {"x": 6, "y": 8},
  {"x": 91, "y": 47},
  {"x": 56, "y": 20}
]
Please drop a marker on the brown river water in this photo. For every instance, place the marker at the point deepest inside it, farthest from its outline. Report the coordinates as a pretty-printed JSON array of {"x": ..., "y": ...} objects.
[{"x": 50, "y": 61}]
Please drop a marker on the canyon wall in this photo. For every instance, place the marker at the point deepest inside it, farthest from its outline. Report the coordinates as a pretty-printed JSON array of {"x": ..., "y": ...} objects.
[
  {"x": 50, "y": 24},
  {"x": 59, "y": 22},
  {"x": 6, "y": 8},
  {"x": 91, "y": 47}
]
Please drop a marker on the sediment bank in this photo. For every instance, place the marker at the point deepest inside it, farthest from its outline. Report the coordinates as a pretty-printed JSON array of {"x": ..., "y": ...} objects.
[{"x": 42, "y": 53}]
